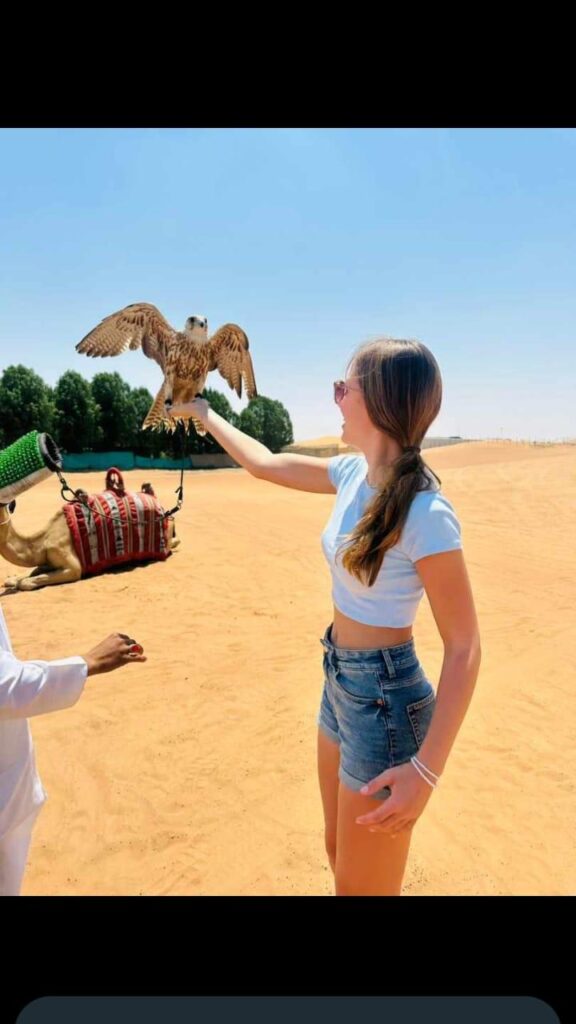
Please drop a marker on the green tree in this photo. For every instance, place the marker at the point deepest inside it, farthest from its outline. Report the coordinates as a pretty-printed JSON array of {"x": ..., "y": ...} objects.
[
  {"x": 76, "y": 422},
  {"x": 118, "y": 413},
  {"x": 146, "y": 442},
  {"x": 26, "y": 403},
  {"x": 268, "y": 421}
]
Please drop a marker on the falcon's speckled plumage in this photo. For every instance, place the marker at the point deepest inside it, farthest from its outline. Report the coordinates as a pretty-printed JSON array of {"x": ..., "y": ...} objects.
[{"x": 186, "y": 357}]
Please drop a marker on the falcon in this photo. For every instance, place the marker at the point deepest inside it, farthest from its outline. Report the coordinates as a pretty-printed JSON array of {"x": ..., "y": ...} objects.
[{"x": 185, "y": 357}]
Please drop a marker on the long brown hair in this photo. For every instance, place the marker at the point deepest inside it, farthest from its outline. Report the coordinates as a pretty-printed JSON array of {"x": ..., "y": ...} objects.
[{"x": 402, "y": 389}]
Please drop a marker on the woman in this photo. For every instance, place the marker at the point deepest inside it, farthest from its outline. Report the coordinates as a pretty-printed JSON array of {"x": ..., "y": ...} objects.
[{"x": 384, "y": 736}]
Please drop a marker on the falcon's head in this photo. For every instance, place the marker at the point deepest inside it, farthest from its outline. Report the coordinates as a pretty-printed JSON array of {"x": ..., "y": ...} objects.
[{"x": 197, "y": 323}]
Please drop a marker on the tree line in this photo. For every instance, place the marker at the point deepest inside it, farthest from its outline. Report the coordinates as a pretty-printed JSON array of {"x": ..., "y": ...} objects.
[{"x": 105, "y": 414}]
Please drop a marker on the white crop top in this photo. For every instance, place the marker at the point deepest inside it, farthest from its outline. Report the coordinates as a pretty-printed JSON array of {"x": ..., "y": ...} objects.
[{"x": 431, "y": 526}]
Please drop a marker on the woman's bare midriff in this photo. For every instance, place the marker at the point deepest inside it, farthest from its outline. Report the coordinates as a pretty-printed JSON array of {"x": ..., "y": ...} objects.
[{"x": 357, "y": 637}]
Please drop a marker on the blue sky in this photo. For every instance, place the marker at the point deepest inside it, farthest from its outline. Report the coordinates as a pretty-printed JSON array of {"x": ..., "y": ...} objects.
[{"x": 314, "y": 240}]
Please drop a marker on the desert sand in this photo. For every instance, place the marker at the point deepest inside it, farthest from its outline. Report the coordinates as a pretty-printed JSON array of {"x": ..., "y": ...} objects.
[{"x": 195, "y": 774}]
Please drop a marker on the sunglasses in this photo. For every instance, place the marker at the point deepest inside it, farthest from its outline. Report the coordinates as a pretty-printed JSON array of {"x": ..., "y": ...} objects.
[{"x": 341, "y": 388}]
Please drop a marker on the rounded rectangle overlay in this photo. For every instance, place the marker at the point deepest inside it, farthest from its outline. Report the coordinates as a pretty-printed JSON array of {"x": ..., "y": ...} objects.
[{"x": 288, "y": 1010}]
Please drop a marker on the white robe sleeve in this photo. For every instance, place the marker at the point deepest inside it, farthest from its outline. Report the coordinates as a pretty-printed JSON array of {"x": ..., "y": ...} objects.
[{"x": 36, "y": 687}]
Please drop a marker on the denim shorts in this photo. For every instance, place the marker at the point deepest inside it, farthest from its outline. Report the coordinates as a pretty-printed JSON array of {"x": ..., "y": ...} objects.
[{"x": 377, "y": 705}]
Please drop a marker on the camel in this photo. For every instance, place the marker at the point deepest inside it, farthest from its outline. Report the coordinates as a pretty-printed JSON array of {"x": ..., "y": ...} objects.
[{"x": 51, "y": 551}]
